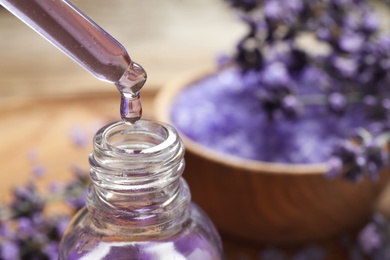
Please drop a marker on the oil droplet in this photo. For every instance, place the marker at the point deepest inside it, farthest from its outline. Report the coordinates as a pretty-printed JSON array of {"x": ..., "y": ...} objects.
[
  {"x": 129, "y": 85},
  {"x": 131, "y": 108}
]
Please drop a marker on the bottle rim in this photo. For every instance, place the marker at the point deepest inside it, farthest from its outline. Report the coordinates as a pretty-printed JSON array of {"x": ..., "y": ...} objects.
[{"x": 144, "y": 137}]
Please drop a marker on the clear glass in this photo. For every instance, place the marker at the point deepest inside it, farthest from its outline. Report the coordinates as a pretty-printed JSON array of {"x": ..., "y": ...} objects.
[
  {"x": 138, "y": 205},
  {"x": 75, "y": 34}
]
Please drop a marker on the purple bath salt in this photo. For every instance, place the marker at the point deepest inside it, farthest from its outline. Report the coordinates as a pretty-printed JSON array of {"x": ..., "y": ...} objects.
[{"x": 223, "y": 112}]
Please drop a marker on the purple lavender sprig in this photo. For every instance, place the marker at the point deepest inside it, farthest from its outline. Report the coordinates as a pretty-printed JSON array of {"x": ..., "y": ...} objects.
[
  {"x": 374, "y": 238},
  {"x": 361, "y": 155},
  {"x": 354, "y": 68},
  {"x": 356, "y": 56},
  {"x": 26, "y": 232}
]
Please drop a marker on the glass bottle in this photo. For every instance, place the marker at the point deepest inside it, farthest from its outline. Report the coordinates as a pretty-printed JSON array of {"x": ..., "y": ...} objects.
[{"x": 138, "y": 205}]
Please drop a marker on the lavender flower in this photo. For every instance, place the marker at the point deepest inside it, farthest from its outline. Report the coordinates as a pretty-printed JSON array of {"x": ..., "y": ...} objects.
[
  {"x": 374, "y": 238},
  {"x": 78, "y": 136},
  {"x": 355, "y": 69},
  {"x": 370, "y": 239},
  {"x": 360, "y": 155},
  {"x": 25, "y": 231},
  {"x": 9, "y": 250},
  {"x": 337, "y": 23},
  {"x": 27, "y": 201},
  {"x": 337, "y": 102}
]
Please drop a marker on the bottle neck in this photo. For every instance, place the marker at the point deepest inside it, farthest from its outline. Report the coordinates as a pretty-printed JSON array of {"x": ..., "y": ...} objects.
[{"x": 135, "y": 173}]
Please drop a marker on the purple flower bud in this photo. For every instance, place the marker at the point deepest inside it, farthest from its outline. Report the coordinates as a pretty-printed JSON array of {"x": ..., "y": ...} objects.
[
  {"x": 370, "y": 100},
  {"x": 370, "y": 59},
  {"x": 9, "y": 250},
  {"x": 276, "y": 74},
  {"x": 295, "y": 6},
  {"x": 360, "y": 161},
  {"x": 370, "y": 22},
  {"x": 337, "y": 102},
  {"x": 26, "y": 201},
  {"x": 6, "y": 230},
  {"x": 346, "y": 66},
  {"x": 51, "y": 250},
  {"x": 55, "y": 186},
  {"x": 380, "y": 220},
  {"x": 77, "y": 201},
  {"x": 290, "y": 105},
  {"x": 386, "y": 103},
  {"x": 383, "y": 42},
  {"x": 78, "y": 136},
  {"x": 376, "y": 157},
  {"x": 38, "y": 171},
  {"x": 323, "y": 34},
  {"x": 273, "y": 9},
  {"x": 369, "y": 238},
  {"x": 25, "y": 226},
  {"x": 335, "y": 166},
  {"x": 351, "y": 42},
  {"x": 372, "y": 169},
  {"x": 62, "y": 225}
]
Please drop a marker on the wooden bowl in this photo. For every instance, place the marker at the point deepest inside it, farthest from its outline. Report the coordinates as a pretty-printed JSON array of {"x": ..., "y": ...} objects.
[{"x": 264, "y": 202}]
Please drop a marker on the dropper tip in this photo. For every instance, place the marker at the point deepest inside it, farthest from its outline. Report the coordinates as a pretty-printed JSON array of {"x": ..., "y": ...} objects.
[{"x": 132, "y": 80}]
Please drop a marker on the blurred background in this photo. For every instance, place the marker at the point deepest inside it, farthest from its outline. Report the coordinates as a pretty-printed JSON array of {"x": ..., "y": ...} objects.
[
  {"x": 50, "y": 107},
  {"x": 167, "y": 38}
]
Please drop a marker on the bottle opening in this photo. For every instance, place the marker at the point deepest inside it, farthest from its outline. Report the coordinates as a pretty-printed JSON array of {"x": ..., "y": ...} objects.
[{"x": 144, "y": 137}]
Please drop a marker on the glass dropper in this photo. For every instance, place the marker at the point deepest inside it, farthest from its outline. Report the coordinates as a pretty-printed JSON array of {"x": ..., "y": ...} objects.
[{"x": 66, "y": 27}]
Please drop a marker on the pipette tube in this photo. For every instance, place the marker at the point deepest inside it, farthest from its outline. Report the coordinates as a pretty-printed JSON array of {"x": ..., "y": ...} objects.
[{"x": 62, "y": 24}]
